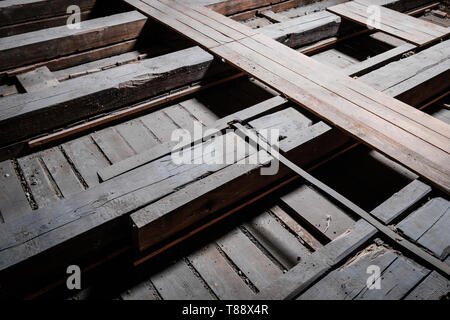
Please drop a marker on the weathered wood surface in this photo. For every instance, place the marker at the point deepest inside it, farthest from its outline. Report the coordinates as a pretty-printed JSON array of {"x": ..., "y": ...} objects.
[
  {"x": 31, "y": 47},
  {"x": 429, "y": 226},
  {"x": 13, "y": 202},
  {"x": 416, "y": 31},
  {"x": 371, "y": 121},
  {"x": 401, "y": 201},
  {"x": 303, "y": 30},
  {"x": 398, "y": 276},
  {"x": 434, "y": 287},
  {"x": 428, "y": 70},
  {"x": 293, "y": 282},
  {"x": 78, "y": 220},
  {"x": 165, "y": 148},
  {"x": 200, "y": 199},
  {"x": 37, "y": 112},
  {"x": 38, "y": 79},
  {"x": 16, "y": 11},
  {"x": 378, "y": 61}
]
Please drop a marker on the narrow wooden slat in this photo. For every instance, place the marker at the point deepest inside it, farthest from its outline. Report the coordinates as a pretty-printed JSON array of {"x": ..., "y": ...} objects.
[
  {"x": 310, "y": 94},
  {"x": 220, "y": 276},
  {"x": 13, "y": 202}
]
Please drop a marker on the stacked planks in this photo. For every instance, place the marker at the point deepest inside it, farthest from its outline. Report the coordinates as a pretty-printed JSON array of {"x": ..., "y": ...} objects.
[{"x": 418, "y": 141}]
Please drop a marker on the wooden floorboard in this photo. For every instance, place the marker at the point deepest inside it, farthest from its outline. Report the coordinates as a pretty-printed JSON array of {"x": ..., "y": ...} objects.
[{"x": 416, "y": 31}]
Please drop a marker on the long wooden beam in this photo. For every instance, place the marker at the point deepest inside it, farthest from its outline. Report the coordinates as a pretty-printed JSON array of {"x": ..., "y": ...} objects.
[
  {"x": 31, "y": 47},
  {"x": 27, "y": 115}
]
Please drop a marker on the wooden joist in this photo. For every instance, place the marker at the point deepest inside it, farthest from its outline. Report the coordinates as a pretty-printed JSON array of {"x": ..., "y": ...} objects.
[
  {"x": 416, "y": 31},
  {"x": 31, "y": 47},
  {"x": 17, "y": 11},
  {"x": 33, "y": 113},
  {"x": 420, "y": 143}
]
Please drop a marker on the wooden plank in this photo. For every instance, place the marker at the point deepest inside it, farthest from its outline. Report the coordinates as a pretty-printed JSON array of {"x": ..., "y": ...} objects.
[
  {"x": 37, "y": 79},
  {"x": 22, "y": 115},
  {"x": 137, "y": 135},
  {"x": 16, "y": 11},
  {"x": 237, "y": 58},
  {"x": 400, "y": 114},
  {"x": 277, "y": 240},
  {"x": 378, "y": 61},
  {"x": 200, "y": 111},
  {"x": 13, "y": 202},
  {"x": 437, "y": 238},
  {"x": 34, "y": 25},
  {"x": 401, "y": 201},
  {"x": 434, "y": 287},
  {"x": 93, "y": 212},
  {"x": 182, "y": 118},
  {"x": 6, "y": 90},
  {"x": 151, "y": 224},
  {"x": 42, "y": 189},
  {"x": 112, "y": 144},
  {"x": 249, "y": 258},
  {"x": 75, "y": 59},
  {"x": 427, "y": 70},
  {"x": 396, "y": 281},
  {"x": 164, "y": 149},
  {"x": 178, "y": 282},
  {"x": 273, "y": 16},
  {"x": 51, "y": 43},
  {"x": 160, "y": 125},
  {"x": 229, "y": 7},
  {"x": 144, "y": 290},
  {"x": 319, "y": 212},
  {"x": 220, "y": 276},
  {"x": 304, "y": 30},
  {"x": 411, "y": 29},
  {"x": 87, "y": 158},
  {"x": 296, "y": 228},
  {"x": 428, "y": 226},
  {"x": 346, "y": 282},
  {"x": 296, "y": 280},
  {"x": 61, "y": 172}
]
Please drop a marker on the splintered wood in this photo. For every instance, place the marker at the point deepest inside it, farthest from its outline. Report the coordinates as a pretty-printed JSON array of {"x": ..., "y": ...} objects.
[{"x": 416, "y": 140}]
